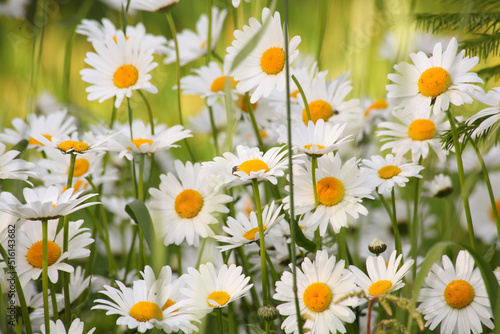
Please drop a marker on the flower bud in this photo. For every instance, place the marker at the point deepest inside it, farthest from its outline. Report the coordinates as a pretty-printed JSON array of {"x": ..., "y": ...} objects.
[
  {"x": 268, "y": 313},
  {"x": 377, "y": 246}
]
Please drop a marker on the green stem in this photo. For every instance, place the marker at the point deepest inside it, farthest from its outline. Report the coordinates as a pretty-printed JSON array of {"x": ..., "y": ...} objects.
[
  {"x": 254, "y": 122},
  {"x": 323, "y": 14},
  {"x": 415, "y": 223},
  {"x": 214, "y": 130},
  {"x": 314, "y": 165},
  {"x": 342, "y": 244},
  {"x": 130, "y": 118},
  {"x": 230, "y": 318},
  {"x": 304, "y": 99},
  {"x": 150, "y": 111},
  {"x": 263, "y": 267},
  {"x": 54, "y": 302},
  {"x": 394, "y": 222},
  {"x": 461, "y": 176},
  {"x": 220, "y": 320},
  {"x": 45, "y": 276},
  {"x": 209, "y": 32},
  {"x": 293, "y": 223},
  {"x": 40, "y": 50},
  {"x": 246, "y": 268},
  {"x": 179, "y": 260}
]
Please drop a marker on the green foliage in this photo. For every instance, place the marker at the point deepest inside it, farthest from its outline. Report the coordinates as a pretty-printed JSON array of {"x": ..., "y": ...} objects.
[{"x": 138, "y": 211}]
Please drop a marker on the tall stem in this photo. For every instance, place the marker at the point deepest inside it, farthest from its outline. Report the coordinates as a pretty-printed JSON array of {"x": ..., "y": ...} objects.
[
  {"x": 395, "y": 227},
  {"x": 461, "y": 176},
  {"x": 45, "y": 272},
  {"x": 254, "y": 122},
  {"x": 150, "y": 111},
  {"x": 209, "y": 32},
  {"x": 314, "y": 165},
  {"x": 220, "y": 320},
  {"x": 263, "y": 266},
  {"x": 304, "y": 99}
]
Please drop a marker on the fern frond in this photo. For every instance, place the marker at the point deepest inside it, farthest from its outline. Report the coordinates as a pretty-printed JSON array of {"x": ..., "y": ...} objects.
[
  {"x": 483, "y": 45},
  {"x": 471, "y": 22},
  {"x": 489, "y": 72}
]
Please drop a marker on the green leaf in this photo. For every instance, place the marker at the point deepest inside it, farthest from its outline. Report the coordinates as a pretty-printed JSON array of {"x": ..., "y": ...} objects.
[
  {"x": 21, "y": 146},
  {"x": 303, "y": 242},
  {"x": 138, "y": 211}
]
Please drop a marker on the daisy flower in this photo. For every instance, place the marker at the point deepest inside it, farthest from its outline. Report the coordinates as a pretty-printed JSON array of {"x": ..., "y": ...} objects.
[
  {"x": 244, "y": 230},
  {"x": 143, "y": 307},
  {"x": 120, "y": 67},
  {"x": 319, "y": 284},
  {"x": 249, "y": 163},
  {"x": 491, "y": 114},
  {"x": 382, "y": 277},
  {"x": 29, "y": 254},
  {"x": 340, "y": 190},
  {"x": 315, "y": 139},
  {"x": 11, "y": 168},
  {"x": 89, "y": 142},
  {"x": 236, "y": 3},
  {"x": 77, "y": 327},
  {"x": 152, "y": 5},
  {"x": 455, "y": 297},
  {"x": 383, "y": 173},
  {"x": 144, "y": 142},
  {"x": 186, "y": 204},
  {"x": 439, "y": 186},
  {"x": 440, "y": 80},
  {"x": 264, "y": 67},
  {"x": 44, "y": 203},
  {"x": 209, "y": 82},
  {"x": 210, "y": 289},
  {"x": 419, "y": 131},
  {"x": 193, "y": 44}
]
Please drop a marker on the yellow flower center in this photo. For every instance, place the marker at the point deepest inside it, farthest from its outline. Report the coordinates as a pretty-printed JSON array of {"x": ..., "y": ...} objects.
[
  {"x": 317, "y": 297},
  {"x": 168, "y": 303},
  {"x": 35, "y": 253},
  {"x": 81, "y": 167},
  {"x": 250, "y": 235},
  {"x": 320, "y": 147},
  {"x": 139, "y": 141},
  {"x": 294, "y": 94},
  {"x": 434, "y": 81},
  {"x": 243, "y": 104},
  {"x": 492, "y": 214},
  {"x": 319, "y": 109},
  {"x": 33, "y": 141},
  {"x": 253, "y": 165},
  {"x": 379, "y": 104},
  {"x": 125, "y": 76},
  {"x": 330, "y": 190},
  {"x": 145, "y": 311},
  {"x": 188, "y": 203},
  {"x": 422, "y": 129},
  {"x": 78, "y": 184},
  {"x": 389, "y": 171},
  {"x": 458, "y": 294},
  {"x": 379, "y": 287},
  {"x": 74, "y": 146},
  {"x": 273, "y": 60},
  {"x": 221, "y": 297},
  {"x": 219, "y": 84}
]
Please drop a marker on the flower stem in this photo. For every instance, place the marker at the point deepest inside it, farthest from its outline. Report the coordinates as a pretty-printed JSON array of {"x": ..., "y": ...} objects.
[
  {"x": 209, "y": 32},
  {"x": 263, "y": 266},
  {"x": 45, "y": 276},
  {"x": 306, "y": 105},
  {"x": 254, "y": 122},
  {"x": 214, "y": 130},
  {"x": 220, "y": 320},
  {"x": 314, "y": 165},
  {"x": 461, "y": 176},
  {"x": 150, "y": 111},
  {"x": 415, "y": 224}
]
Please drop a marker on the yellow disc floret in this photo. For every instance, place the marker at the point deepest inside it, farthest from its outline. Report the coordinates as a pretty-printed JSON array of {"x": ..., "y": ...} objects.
[
  {"x": 188, "y": 203},
  {"x": 250, "y": 235},
  {"x": 492, "y": 214},
  {"x": 434, "y": 81},
  {"x": 318, "y": 109},
  {"x": 458, "y": 293},
  {"x": 219, "y": 84},
  {"x": 73, "y": 146},
  {"x": 253, "y": 165},
  {"x": 35, "y": 253},
  {"x": 330, "y": 190},
  {"x": 379, "y": 104},
  {"x": 167, "y": 304},
  {"x": 317, "y": 297},
  {"x": 422, "y": 129},
  {"x": 389, "y": 171},
  {"x": 318, "y": 146},
  {"x": 125, "y": 76},
  {"x": 220, "y": 297},
  {"x": 145, "y": 311},
  {"x": 139, "y": 141},
  {"x": 379, "y": 287},
  {"x": 81, "y": 167},
  {"x": 33, "y": 141},
  {"x": 273, "y": 60}
]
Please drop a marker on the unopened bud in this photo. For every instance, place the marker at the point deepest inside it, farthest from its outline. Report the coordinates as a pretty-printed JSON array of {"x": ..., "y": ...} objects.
[
  {"x": 377, "y": 246},
  {"x": 268, "y": 313}
]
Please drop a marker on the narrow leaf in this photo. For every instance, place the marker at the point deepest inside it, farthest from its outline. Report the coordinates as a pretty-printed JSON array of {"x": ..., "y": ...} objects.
[{"x": 138, "y": 211}]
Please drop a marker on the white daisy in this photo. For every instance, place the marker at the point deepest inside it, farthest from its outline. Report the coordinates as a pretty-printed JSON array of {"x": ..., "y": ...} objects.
[
  {"x": 119, "y": 68},
  {"x": 47, "y": 103},
  {"x": 439, "y": 186},
  {"x": 152, "y": 5},
  {"x": 491, "y": 114},
  {"x": 236, "y": 3},
  {"x": 77, "y": 327},
  {"x": 382, "y": 277},
  {"x": 44, "y": 203},
  {"x": 11, "y": 168},
  {"x": 249, "y": 163},
  {"x": 29, "y": 252},
  {"x": 319, "y": 285},
  {"x": 244, "y": 230},
  {"x": 340, "y": 190},
  {"x": 186, "y": 204},
  {"x": 144, "y": 142},
  {"x": 419, "y": 131},
  {"x": 264, "y": 68},
  {"x": 210, "y": 289},
  {"x": 384, "y": 173},
  {"x": 455, "y": 297},
  {"x": 193, "y": 45},
  {"x": 315, "y": 139},
  {"x": 141, "y": 307},
  {"x": 441, "y": 79}
]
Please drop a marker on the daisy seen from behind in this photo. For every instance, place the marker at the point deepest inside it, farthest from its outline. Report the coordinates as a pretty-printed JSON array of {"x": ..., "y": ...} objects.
[
  {"x": 77, "y": 327},
  {"x": 440, "y": 80},
  {"x": 382, "y": 277},
  {"x": 119, "y": 67},
  {"x": 455, "y": 297},
  {"x": 384, "y": 173},
  {"x": 187, "y": 204},
  {"x": 263, "y": 69},
  {"x": 320, "y": 284},
  {"x": 491, "y": 114},
  {"x": 208, "y": 288}
]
